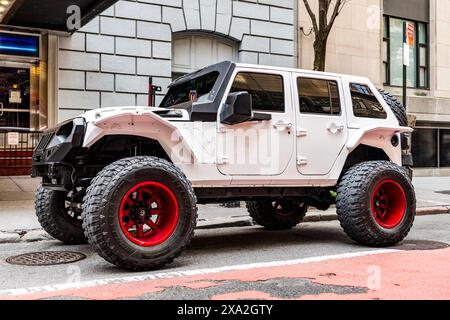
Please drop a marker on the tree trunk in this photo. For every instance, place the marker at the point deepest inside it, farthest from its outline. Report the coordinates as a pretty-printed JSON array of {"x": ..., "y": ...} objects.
[{"x": 320, "y": 51}]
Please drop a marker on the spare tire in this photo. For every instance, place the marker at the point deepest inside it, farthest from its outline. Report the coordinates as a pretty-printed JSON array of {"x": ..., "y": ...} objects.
[{"x": 396, "y": 107}]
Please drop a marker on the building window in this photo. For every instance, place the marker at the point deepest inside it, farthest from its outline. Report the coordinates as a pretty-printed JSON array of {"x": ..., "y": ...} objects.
[
  {"x": 267, "y": 90},
  {"x": 365, "y": 104},
  {"x": 418, "y": 70},
  {"x": 319, "y": 96},
  {"x": 431, "y": 148}
]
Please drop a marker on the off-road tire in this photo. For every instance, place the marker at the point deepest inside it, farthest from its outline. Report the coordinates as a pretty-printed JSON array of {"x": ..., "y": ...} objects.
[
  {"x": 101, "y": 207},
  {"x": 396, "y": 107},
  {"x": 354, "y": 203},
  {"x": 49, "y": 205},
  {"x": 265, "y": 214}
]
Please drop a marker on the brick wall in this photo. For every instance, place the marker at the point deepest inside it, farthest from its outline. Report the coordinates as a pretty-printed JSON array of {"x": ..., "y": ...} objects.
[{"x": 109, "y": 61}]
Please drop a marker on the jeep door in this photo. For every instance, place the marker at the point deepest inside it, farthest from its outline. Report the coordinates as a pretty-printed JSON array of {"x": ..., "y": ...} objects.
[
  {"x": 258, "y": 148},
  {"x": 321, "y": 122}
]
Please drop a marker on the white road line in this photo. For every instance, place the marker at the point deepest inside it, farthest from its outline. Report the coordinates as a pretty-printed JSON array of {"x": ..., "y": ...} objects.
[{"x": 186, "y": 273}]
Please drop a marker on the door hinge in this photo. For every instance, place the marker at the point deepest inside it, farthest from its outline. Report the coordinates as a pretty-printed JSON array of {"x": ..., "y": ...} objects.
[
  {"x": 221, "y": 160},
  {"x": 302, "y": 161},
  {"x": 302, "y": 133}
]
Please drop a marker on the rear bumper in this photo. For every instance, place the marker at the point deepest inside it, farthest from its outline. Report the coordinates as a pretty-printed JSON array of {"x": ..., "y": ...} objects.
[{"x": 407, "y": 160}]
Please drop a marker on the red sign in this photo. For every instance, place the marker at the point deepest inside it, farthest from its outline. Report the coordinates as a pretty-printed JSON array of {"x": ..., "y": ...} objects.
[{"x": 410, "y": 34}]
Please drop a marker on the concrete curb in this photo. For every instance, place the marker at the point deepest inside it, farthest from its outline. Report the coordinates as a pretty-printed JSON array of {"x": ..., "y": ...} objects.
[
  {"x": 231, "y": 222},
  {"x": 433, "y": 211}
]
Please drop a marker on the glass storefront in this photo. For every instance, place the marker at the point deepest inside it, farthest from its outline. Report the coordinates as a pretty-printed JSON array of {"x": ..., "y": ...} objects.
[
  {"x": 19, "y": 80},
  {"x": 431, "y": 147},
  {"x": 15, "y": 97},
  {"x": 22, "y": 95},
  {"x": 444, "y": 145}
]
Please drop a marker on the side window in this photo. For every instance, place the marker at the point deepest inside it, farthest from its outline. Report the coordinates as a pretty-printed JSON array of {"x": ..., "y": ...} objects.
[
  {"x": 319, "y": 96},
  {"x": 365, "y": 104},
  {"x": 267, "y": 90}
]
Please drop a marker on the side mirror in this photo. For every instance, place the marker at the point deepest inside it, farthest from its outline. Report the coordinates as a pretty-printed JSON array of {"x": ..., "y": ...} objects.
[{"x": 237, "y": 108}]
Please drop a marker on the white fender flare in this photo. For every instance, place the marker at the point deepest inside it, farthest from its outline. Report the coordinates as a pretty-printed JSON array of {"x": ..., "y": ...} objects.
[
  {"x": 377, "y": 136},
  {"x": 142, "y": 122}
]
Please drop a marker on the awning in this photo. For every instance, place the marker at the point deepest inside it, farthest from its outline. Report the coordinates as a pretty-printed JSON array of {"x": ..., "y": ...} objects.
[{"x": 50, "y": 15}]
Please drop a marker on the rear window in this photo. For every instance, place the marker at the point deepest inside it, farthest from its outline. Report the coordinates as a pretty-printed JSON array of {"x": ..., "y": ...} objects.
[
  {"x": 318, "y": 96},
  {"x": 191, "y": 90},
  {"x": 365, "y": 104}
]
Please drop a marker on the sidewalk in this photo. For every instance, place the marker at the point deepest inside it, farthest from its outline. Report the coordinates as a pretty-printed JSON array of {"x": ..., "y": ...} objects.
[{"x": 18, "y": 222}]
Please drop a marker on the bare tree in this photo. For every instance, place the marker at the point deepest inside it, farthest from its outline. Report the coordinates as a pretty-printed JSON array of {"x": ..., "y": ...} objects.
[{"x": 322, "y": 27}]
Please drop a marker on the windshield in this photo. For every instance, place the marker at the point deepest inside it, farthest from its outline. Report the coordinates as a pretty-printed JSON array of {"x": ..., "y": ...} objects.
[{"x": 190, "y": 91}]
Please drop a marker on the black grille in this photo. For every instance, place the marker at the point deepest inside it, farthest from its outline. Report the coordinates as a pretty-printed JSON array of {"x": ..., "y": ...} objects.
[{"x": 46, "y": 138}]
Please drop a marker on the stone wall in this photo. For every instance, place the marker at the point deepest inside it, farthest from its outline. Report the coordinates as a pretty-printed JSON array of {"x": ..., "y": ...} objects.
[{"x": 109, "y": 61}]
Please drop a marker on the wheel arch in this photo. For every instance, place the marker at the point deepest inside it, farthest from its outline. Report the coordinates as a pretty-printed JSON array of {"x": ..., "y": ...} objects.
[
  {"x": 111, "y": 148},
  {"x": 384, "y": 138},
  {"x": 139, "y": 123},
  {"x": 364, "y": 153}
]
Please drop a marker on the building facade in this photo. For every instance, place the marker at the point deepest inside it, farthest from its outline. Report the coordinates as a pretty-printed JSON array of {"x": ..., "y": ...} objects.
[
  {"x": 367, "y": 40},
  {"x": 112, "y": 60}
]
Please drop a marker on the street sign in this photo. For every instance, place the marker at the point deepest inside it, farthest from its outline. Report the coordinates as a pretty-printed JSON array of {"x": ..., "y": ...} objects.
[
  {"x": 13, "y": 138},
  {"x": 406, "y": 61},
  {"x": 410, "y": 34},
  {"x": 15, "y": 97}
]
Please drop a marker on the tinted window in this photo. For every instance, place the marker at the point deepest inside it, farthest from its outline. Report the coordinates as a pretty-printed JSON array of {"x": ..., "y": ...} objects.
[
  {"x": 267, "y": 90},
  {"x": 318, "y": 96},
  {"x": 365, "y": 104},
  {"x": 186, "y": 91}
]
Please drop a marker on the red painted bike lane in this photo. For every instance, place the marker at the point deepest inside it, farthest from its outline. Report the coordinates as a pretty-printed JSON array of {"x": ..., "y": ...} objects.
[{"x": 395, "y": 275}]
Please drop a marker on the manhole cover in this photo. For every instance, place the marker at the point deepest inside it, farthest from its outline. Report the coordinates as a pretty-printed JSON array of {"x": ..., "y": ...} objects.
[
  {"x": 446, "y": 192},
  {"x": 420, "y": 245},
  {"x": 46, "y": 258}
]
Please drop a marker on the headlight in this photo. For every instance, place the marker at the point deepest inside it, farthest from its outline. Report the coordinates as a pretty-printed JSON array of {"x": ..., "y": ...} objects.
[{"x": 65, "y": 130}]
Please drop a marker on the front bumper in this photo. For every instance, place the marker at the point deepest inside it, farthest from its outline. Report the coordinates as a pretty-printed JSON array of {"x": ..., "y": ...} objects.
[{"x": 55, "y": 156}]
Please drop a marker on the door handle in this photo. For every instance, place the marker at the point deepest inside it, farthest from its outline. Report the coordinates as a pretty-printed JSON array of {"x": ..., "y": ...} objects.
[
  {"x": 280, "y": 125},
  {"x": 1, "y": 109},
  {"x": 335, "y": 128}
]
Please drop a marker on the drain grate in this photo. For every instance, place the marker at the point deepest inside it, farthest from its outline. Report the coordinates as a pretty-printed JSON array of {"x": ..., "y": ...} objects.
[
  {"x": 46, "y": 258},
  {"x": 421, "y": 245}
]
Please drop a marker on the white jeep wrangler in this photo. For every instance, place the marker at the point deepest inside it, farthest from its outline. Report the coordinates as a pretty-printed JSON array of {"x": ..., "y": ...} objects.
[{"x": 128, "y": 179}]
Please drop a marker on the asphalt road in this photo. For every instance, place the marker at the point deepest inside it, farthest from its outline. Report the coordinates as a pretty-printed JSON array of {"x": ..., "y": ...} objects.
[{"x": 314, "y": 260}]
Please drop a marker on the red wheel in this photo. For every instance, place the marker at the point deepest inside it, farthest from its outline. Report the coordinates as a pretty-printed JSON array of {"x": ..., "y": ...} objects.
[
  {"x": 148, "y": 214},
  {"x": 376, "y": 203},
  {"x": 389, "y": 204}
]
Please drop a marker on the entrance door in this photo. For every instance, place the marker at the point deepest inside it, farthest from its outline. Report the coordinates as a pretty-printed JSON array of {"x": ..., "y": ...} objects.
[
  {"x": 18, "y": 94},
  {"x": 15, "y": 97},
  {"x": 321, "y": 124},
  {"x": 191, "y": 52},
  {"x": 259, "y": 148}
]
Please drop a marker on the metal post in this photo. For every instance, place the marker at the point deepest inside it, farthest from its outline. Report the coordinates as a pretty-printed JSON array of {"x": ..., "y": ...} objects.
[
  {"x": 150, "y": 92},
  {"x": 405, "y": 68}
]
